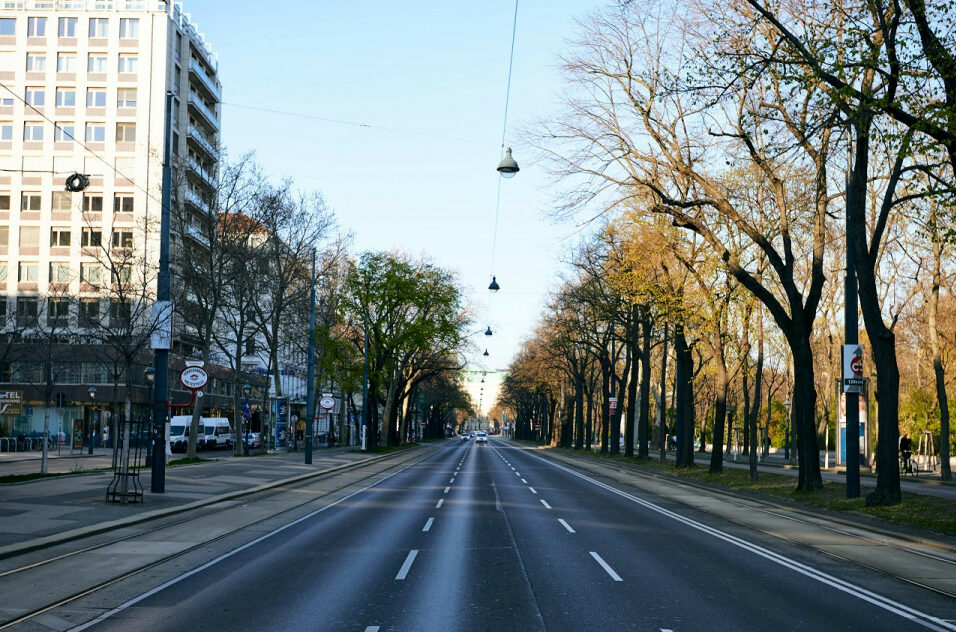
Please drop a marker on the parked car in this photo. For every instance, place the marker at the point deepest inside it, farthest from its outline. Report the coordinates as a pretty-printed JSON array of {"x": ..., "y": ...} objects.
[{"x": 254, "y": 439}]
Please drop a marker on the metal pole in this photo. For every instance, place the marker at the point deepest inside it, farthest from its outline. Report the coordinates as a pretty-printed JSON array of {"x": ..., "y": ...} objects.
[
  {"x": 310, "y": 372},
  {"x": 852, "y": 327},
  {"x": 365, "y": 418},
  {"x": 161, "y": 356}
]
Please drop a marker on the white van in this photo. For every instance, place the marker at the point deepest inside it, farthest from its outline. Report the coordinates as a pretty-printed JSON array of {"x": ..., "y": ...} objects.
[{"x": 214, "y": 432}]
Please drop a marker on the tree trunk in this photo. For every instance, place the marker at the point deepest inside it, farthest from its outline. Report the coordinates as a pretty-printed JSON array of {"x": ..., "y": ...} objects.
[
  {"x": 803, "y": 410},
  {"x": 684, "y": 399},
  {"x": 632, "y": 405},
  {"x": 720, "y": 413},
  {"x": 938, "y": 370},
  {"x": 755, "y": 412},
  {"x": 579, "y": 435},
  {"x": 643, "y": 424},
  {"x": 662, "y": 409}
]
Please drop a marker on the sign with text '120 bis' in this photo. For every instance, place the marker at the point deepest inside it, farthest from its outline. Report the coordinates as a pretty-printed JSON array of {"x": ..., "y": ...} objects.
[{"x": 852, "y": 369}]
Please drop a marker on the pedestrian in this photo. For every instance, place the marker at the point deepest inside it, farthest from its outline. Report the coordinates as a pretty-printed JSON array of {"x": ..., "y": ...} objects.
[{"x": 106, "y": 436}]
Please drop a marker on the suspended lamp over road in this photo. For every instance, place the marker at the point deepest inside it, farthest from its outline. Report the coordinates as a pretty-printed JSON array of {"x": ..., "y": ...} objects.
[
  {"x": 488, "y": 331},
  {"x": 494, "y": 287},
  {"x": 485, "y": 353},
  {"x": 508, "y": 167}
]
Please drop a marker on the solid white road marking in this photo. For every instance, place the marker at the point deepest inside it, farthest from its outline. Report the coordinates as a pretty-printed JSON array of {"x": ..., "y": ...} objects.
[
  {"x": 428, "y": 525},
  {"x": 566, "y": 525},
  {"x": 925, "y": 620},
  {"x": 439, "y": 503},
  {"x": 524, "y": 481},
  {"x": 446, "y": 490},
  {"x": 532, "y": 490},
  {"x": 604, "y": 565},
  {"x": 403, "y": 571},
  {"x": 545, "y": 503}
]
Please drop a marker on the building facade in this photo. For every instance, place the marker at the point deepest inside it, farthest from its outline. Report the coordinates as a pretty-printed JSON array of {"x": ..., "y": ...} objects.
[{"x": 83, "y": 87}]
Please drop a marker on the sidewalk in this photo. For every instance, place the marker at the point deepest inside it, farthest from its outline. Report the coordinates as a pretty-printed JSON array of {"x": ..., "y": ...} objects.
[{"x": 42, "y": 512}]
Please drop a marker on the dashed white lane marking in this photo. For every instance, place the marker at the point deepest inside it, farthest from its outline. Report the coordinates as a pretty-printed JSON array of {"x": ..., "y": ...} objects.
[
  {"x": 545, "y": 503},
  {"x": 446, "y": 490},
  {"x": 451, "y": 480},
  {"x": 403, "y": 571},
  {"x": 517, "y": 473},
  {"x": 371, "y": 628},
  {"x": 512, "y": 469},
  {"x": 666, "y": 630},
  {"x": 439, "y": 503},
  {"x": 532, "y": 490},
  {"x": 606, "y": 567},
  {"x": 566, "y": 525},
  {"x": 428, "y": 525},
  {"x": 524, "y": 481}
]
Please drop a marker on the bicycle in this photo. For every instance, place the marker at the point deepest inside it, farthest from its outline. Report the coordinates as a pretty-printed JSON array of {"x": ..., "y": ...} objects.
[{"x": 908, "y": 466}]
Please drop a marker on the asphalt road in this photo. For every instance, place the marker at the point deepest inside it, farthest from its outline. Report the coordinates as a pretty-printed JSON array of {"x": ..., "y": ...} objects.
[{"x": 492, "y": 537}]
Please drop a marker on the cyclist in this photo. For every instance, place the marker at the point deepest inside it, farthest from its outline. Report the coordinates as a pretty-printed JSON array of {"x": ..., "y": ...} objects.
[{"x": 906, "y": 452}]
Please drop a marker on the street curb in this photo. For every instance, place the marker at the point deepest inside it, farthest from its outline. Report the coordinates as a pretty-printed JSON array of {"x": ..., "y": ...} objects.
[
  {"x": 13, "y": 550},
  {"x": 863, "y": 522}
]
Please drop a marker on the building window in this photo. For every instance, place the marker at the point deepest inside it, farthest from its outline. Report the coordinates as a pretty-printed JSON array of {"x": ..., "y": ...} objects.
[
  {"x": 67, "y": 27},
  {"x": 123, "y": 204},
  {"x": 89, "y": 313},
  {"x": 59, "y": 237},
  {"x": 125, "y": 132},
  {"x": 65, "y": 62},
  {"x": 36, "y": 27},
  {"x": 91, "y": 237},
  {"x": 62, "y": 201},
  {"x": 26, "y": 310},
  {"x": 36, "y": 63},
  {"x": 5, "y": 202},
  {"x": 64, "y": 132},
  {"x": 95, "y": 133},
  {"x": 126, "y": 98},
  {"x": 129, "y": 28},
  {"x": 3, "y": 277},
  {"x": 4, "y": 235},
  {"x": 65, "y": 97},
  {"x": 6, "y": 131},
  {"x": 57, "y": 312},
  {"x": 123, "y": 239},
  {"x": 35, "y": 97},
  {"x": 90, "y": 273},
  {"x": 128, "y": 63},
  {"x": 121, "y": 275},
  {"x": 28, "y": 273},
  {"x": 99, "y": 27},
  {"x": 59, "y": 273},
  {"x": 6, "y": 102},
  {"x": 8, "y": 26},
  {"x": 32, "y": 131},
  {"x": 120, "y": 312},
  {"x": 29, "y": 236},
  {"x": 29, "y": 201},
  {"x": 96, "y": 63},
  {"x": 92, "y": 203},
  {"x": 96, "y": 98}
]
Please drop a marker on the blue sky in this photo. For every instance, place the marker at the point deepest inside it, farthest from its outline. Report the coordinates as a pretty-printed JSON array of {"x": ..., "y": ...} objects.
[{"x": 435, "y": 68}]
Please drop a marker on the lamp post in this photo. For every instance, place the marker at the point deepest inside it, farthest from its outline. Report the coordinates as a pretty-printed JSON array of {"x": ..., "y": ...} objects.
[
  {"x": 365, "y": 418},
  {"x": 92, "y": 430},
  {"x": 310, "y": 372},
  {"x": 150, "y": 374}
]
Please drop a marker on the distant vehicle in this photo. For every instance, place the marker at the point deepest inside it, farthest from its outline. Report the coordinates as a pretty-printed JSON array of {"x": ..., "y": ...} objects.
[
  {"x": 481, "y": 437},
  {"x": 254, "y": 439},
  {"x": 471, "y": 435},
  {"x": 214, "y": 432},
  {"x": 464, "y": 437}
]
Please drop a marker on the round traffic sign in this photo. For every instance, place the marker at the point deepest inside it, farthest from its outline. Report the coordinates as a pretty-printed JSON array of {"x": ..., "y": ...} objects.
[
  {"x": 327, "y": 402},
  {"x": 856, "y": 365},
  {"x": 194, "y": 377}
]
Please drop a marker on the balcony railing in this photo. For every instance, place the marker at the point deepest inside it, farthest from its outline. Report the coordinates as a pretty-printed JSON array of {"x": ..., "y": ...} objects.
[
  {"x": 193, "y": 198},
  {"x": 207, "y": 114},
  {"x": 202, "y": 173},
  {"x": 207, "y": 82},
  {"x": 203, "y": 142}
]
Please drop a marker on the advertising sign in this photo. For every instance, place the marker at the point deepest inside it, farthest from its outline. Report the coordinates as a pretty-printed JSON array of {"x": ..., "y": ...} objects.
[
  {"x": 11, "y": 403},
  {"x": 612, "y": 403},
  {"x": 852, "y": 369},
  {"x": 194, "y": 377},
  {"x": 327, "y": 402}
]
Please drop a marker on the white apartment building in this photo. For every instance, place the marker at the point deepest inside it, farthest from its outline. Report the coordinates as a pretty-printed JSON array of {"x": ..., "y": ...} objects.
[{"x": 82, "y": 89}]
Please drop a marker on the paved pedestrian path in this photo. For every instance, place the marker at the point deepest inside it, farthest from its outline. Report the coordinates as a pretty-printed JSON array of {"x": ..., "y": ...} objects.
[{"x": 39, "y": 512}]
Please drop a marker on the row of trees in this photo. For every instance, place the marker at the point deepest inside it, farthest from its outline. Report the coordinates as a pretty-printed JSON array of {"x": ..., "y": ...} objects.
[{"x": 742, "y": 153}]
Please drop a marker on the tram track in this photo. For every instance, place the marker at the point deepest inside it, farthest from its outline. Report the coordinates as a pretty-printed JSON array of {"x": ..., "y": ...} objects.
[{"x": 276, "y": 491}]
